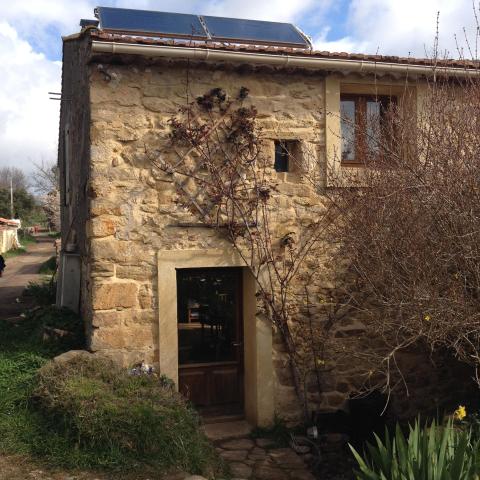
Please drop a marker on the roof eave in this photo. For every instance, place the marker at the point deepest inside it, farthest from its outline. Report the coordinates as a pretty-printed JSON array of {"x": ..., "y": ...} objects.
[{"x": 280, "y": 59}]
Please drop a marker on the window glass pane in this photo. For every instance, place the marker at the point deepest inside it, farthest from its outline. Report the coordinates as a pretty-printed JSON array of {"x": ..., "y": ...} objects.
[
  {"x": 207, "y": 312},
  {"x": 347, "y": 113},
  {"x": 373, "y": 125}
]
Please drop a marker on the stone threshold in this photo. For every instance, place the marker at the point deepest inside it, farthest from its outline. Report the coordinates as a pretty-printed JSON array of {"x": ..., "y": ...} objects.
[{"x": 226, "y": 428}]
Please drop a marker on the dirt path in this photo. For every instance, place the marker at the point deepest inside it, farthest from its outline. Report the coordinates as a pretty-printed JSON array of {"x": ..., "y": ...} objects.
[
  {"x": 21, "y": 468},
  {"x": 19, "y": 271}
]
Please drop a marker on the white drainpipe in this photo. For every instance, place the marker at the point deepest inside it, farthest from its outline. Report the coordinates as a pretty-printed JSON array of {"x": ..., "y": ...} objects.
[{"x": 280, "y": 60}]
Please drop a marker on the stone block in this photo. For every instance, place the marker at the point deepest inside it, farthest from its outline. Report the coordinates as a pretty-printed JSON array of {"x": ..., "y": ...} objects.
[
  {"x": 145, "y": 297},
  {"x": 102, "y": 269},
  {"x": 234, "y": 455},
  {"x": 108, "y": 296},
  {"x": 127, "y": 317},
  {"x": 120, "y": 251},
  {"x": 145, "y": 272},
  {"x": 101, "y": 227},
  {"x": 139, "y": 336},
  {"x": 126, "y": 358},
  {"x": 241, "y": 470},
  {"x": 102, "y": 207},
  {"x": 107, "y": 319}
]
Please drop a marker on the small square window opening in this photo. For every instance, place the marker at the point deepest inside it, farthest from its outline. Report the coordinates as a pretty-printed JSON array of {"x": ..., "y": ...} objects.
[{"x": 285, "y": 155}]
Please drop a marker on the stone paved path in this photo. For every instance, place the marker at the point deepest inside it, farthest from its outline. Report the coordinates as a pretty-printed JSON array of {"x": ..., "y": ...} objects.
[
  {"x": 21, "y": 270},
  {"x": 256, "y": 460}
]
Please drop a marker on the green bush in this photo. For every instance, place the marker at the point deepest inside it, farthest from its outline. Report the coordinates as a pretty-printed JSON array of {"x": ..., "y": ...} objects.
[
  {"x": 435, "y": 452},
  {"x": 89, "y": 414},
  {"x": 43, "y": 292},
  {"x": 49, "y": 267},
  {"x": 113, "y": 419}
]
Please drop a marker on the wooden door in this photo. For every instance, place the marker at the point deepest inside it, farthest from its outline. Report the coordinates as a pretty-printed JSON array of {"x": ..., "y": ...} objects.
[{"x": 210, "y": 339}]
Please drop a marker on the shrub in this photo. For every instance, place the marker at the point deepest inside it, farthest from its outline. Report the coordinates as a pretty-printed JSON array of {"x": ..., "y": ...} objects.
[
  {"x": 49, "y": 267},
  {"x": 59, "y": 329},
  {"x": 428, "y": 453},
  {"x": 113, "y": 419},
  {"x": 279, "y": 434},
  {"x": 44, "y": 292}
]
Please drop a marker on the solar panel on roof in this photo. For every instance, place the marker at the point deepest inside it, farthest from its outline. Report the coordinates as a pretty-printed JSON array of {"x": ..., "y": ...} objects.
[
  {"x": 197, "y": 27},
  {"x": 254, "y": 31},
  {"x": 178, "y": 25}
]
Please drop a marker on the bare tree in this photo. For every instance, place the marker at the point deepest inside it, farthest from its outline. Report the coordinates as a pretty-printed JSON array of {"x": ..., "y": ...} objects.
[
  {"x": 15, "y": 175},
  {"x": 45, "y": 181},
  {"x": 45, "y": 178},
  {"x": 411, "y": 227}
]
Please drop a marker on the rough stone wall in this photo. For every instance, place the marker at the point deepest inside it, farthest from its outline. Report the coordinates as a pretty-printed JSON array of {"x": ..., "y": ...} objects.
[{"x": 133, "y": 212}]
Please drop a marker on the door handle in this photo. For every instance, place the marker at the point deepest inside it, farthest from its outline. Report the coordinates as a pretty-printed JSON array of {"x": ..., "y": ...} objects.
[{"x": 237, "y": 344}]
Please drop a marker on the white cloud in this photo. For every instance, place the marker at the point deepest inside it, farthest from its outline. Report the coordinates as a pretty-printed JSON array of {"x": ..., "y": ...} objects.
[
  {"x": 28, "y": 119},
  {"x": 344, "y": 44},
  {"x": 402, "y": 27}
]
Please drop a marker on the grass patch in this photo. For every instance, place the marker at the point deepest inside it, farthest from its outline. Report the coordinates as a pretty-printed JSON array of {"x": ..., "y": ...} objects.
[
  {"x": 89, "y": 413},
  {"x": 14, "y": 252},
  {"x": 55, "y": 234},
  {"x": 117, "y": 420},
  {"x": 22, "y": 353},
  {"x": 48, "y": 267}
]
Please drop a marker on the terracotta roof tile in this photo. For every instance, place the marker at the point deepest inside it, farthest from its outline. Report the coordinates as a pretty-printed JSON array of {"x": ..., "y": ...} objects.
[{"x": 101, "y": 35}]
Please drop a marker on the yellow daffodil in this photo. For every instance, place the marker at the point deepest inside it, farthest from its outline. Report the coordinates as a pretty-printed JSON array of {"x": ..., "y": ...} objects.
[
  {"x": 427, "y": 318},
  {"x": 460, "y": 413}
]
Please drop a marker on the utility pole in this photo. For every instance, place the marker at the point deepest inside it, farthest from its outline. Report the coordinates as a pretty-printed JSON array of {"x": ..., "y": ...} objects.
[{"x": 11, "y": 195}]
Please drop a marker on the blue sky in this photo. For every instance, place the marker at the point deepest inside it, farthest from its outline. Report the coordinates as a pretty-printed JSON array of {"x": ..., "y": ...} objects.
[
  {"x": 31, "y": 30},
  {"x": 310, "y": 19}
]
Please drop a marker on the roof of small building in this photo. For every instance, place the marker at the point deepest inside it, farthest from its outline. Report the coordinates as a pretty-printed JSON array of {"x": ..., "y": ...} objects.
[
  {"x": 278, "y": 50},
  {"x": 9, "y": 222}
]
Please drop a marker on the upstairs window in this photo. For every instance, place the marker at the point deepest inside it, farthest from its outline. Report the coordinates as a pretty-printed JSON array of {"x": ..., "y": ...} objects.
[
  {"x": 362, "y": 125},
  {"x": 286, "y": 153}
]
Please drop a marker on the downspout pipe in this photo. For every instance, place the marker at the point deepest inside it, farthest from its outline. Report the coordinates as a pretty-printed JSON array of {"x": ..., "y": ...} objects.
[{"x": 279, "y": 60}]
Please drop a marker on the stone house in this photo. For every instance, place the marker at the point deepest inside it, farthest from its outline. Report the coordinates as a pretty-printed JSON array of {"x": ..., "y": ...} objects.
[{"x": 151, "y": 285}]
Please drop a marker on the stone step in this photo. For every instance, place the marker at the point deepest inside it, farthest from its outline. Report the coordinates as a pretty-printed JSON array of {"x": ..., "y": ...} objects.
[{"x": 220, "y": 431}]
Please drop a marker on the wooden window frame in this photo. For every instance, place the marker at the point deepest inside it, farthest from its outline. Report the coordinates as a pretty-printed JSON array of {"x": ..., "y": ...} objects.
[{"x": 360, "y": 101}]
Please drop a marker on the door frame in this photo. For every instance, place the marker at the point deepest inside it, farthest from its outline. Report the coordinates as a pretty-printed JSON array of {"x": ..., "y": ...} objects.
[
  {"x": 257, "y": 331},
  {"x": 238, "y": 406}
]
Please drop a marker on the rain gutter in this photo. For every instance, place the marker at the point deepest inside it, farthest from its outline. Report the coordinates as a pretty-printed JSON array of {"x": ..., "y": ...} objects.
[{"x": 279, "y": 60}]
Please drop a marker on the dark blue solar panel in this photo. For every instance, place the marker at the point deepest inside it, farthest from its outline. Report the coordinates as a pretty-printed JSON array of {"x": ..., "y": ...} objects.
[
  {"x": 254, "y": 31},
  {"x": 149, "y": 22}
]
